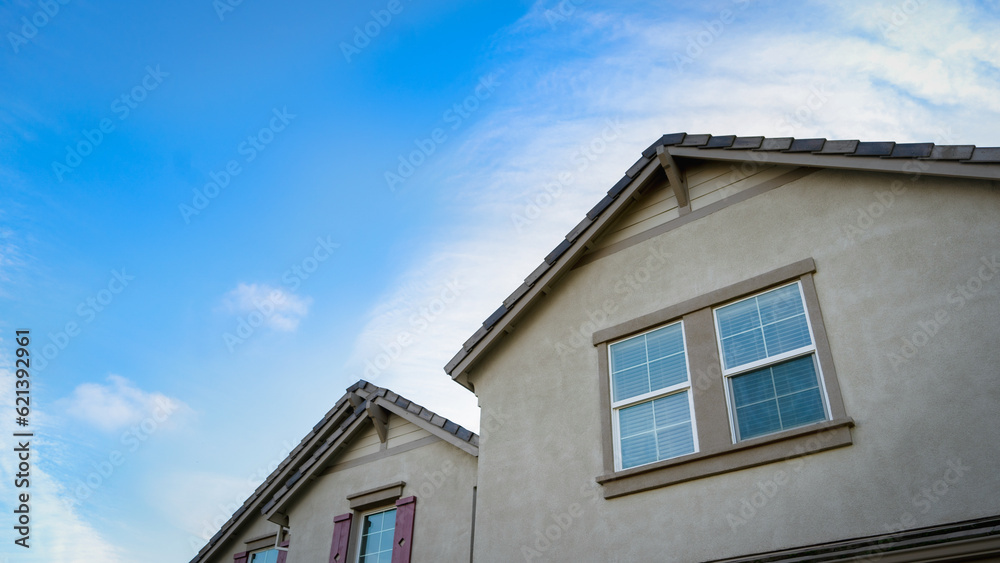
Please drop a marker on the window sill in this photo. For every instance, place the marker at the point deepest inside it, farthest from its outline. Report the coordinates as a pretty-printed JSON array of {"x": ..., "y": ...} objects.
[{"x": 782, "y": 446}]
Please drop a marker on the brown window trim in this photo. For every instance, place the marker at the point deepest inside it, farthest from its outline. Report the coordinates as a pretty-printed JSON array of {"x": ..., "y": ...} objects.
[
  {"x": 717, "y": 453},
  {"x": 384, "y": 495}
]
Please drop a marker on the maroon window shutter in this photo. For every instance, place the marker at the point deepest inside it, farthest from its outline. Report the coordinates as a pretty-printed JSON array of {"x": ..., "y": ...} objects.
[
  {"x": 341, "y": 538},
  {"x": 403, "y": 540},
  {"x": 241, "y": 557},
  {"x": 282, "y": 555}
]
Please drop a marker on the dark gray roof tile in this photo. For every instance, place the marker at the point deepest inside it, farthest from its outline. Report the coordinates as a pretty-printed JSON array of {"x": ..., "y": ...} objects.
[
  {"x": 719, "y": 142},
  {"x": 537, "y": 273},
  {"x": 882, "y": 148},
  {"x": 664, "y": 141},
  {"x": 694, "y": 140},
  {"x": 558, "y": 251},
  {"x": 492, "y": 319},
  {"x": 776, "y": 144},
  {"x": 636, "y": 168},
  {"x": 838, "y": 147},
  {"x": 464, "y": 434},
  {"x": 806, "y": 145},
  {"x": 293, "y": 479},
  {"x": 746, "y": 143},
  {"x": 475, "y": 338},
  {"x": 455, "y": 360},
  {"x": 619, "y": 187},
  {"x": 401, "y": 402},
  {"x": 911, "y": 150},
  {"x": 600, "y": 207},
  {"x": 952, "y": 152},
  {"x": 984, "y": 155},
  {"x": 513, "y": 297},
  {"x": 582, "y": 226},
  {"x": 438, "y": 421},
  {"x": 450, "y": 427}
]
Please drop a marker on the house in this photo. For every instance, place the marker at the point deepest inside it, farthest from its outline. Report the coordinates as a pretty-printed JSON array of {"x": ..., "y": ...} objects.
[
  {"x": 751, "y": 349},
  {"x": 375, "y": 473}
]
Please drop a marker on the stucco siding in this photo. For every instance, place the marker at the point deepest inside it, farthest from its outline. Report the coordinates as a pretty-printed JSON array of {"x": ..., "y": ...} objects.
[
  {"x": 915, "y": 356},
  {"x": 440, "y": 475}
]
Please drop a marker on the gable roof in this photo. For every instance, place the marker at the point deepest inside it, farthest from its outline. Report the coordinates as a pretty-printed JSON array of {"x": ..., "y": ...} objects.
[
  {"x": 362, "y": 402},
  {"x": 666, "y": 157}
]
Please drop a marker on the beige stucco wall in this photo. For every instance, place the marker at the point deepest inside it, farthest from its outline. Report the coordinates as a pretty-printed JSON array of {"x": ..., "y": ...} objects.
[
  {"x": 237, "y": 543},
  {"x": 439, "y": 474},
  {"x": 887, "y": 264}
]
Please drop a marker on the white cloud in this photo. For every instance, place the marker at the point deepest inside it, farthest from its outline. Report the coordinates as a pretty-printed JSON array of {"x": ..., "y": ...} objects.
[
  {"x": 280, "y": 310},
  {"x": 58, "y": 532},
  {"x": 765, "y": 74},
  {"x": 117, "y": 404}
]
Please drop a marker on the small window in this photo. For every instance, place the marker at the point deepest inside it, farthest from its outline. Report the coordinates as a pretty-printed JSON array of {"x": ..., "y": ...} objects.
[
  {"x": 377, "y": 532},
  {"x": 769, "y": 360},
  {"x": 268, "y": 556},
  {"x": 651, "y": 397}
]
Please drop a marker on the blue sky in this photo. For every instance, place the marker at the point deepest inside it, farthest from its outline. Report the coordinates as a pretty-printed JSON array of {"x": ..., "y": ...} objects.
[{"x": 214, "y": 220}]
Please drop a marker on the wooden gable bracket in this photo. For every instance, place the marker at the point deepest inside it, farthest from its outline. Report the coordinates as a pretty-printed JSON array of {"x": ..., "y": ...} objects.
[
  {"x": 380, "y": 418},
  {"x": 355, "y": 400},
  {"x": 677, "y": 179}
]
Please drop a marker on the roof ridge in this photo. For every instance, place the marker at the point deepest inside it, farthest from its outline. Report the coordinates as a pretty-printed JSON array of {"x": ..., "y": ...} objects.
[
  {"x": 374, "y": 391},
  {"x": 713, "y": 144}
]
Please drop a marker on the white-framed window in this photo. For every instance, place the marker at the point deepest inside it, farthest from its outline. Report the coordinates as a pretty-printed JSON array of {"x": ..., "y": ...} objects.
[
  {"x": 768, "y": 352},
  {"x": 376, "y": 536},
  {"x": 265, "y": 556},
  {"x": 651, "y": 400}
]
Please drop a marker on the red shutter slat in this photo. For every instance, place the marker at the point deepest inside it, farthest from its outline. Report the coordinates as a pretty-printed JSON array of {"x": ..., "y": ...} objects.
[
  {"x": 403, "y": 540},
  {"x": 341, "y": 537},
  {"x": 241, "y": 557},
  {"x": 282, "y": 555}
]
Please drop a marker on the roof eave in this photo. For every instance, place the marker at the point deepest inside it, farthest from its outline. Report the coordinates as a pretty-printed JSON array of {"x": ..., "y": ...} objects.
[
  {"x": 952, "y": 169},
  {"x": 460, "y": 371}
]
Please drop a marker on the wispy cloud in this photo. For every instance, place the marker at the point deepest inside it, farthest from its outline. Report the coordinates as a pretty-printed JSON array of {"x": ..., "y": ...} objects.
[
  {"x": 117, "y": 404},
  {"x": 762, "y": 74},
  {"x": 67, "y": 535},
  {"x": 280, "y": 309}
]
